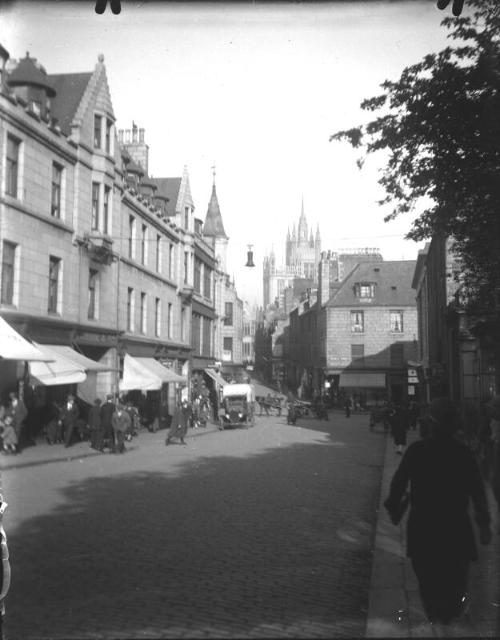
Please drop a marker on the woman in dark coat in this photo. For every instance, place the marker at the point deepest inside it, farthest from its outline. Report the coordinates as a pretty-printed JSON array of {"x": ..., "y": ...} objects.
[
  {"x": 180, "y": 422},
  {"x": 443, "y": 476}
]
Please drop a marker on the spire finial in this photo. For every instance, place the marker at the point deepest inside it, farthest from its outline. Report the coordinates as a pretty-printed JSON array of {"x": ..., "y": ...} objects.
[{"x": 213, "y": 173}]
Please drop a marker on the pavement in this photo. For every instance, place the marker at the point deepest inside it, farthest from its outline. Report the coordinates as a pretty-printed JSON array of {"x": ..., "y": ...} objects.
[
  {"x": 43, "y": 453},
  {"x": 394, "y": 609}
]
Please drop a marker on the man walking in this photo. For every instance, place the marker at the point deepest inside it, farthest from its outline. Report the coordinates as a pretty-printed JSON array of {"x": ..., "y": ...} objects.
[
  {"x": 121, "y": 425},
  {"x": 17, "y": 409},
  {"x": 69, "y": 415},
  {"x": 107, "y": 410}
]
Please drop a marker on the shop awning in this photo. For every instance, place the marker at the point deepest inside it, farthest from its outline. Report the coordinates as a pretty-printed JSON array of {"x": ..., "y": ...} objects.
[
  {"x": 146, "y": 374},
  {"x": 79, "y": 358},
  {"x": 362, "y": 379},
  {"x": 216, "y": 377},
  {"x": 58, "y": 369},
  {"x": 14, "y": 347}
]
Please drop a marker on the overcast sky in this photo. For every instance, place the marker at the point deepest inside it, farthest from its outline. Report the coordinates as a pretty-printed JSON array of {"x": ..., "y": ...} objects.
[{"x": 257, "y": 89}]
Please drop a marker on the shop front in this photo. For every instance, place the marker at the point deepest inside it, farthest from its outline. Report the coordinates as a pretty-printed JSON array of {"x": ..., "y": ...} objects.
[
  {"x": 363, "y": 388},
  {"x": 152, "y": 387}
]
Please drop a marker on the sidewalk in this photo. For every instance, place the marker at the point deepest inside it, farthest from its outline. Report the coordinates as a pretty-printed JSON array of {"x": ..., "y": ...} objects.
[
  {"x": 394, "y": 609},
  {"x": 43, "y": 453}
]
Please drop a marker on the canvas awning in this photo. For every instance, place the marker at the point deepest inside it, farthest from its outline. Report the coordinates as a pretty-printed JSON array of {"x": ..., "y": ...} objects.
[
  {"x": 14, "y": 347},
  {"x": 216, "y": 377},
  {"x": 57, "y": 370},
  {"x": 362, "y": 379},
  {"x": 146, "y": 374},
  {"x": 79, "y": 358}
]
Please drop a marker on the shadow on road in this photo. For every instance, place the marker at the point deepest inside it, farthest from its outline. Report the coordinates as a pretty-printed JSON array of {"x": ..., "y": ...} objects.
[{"x": 269, "y": 545}]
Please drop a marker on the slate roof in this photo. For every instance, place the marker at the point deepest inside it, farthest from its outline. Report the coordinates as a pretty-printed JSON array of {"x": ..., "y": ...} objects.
[
  {"x": 213, "y": 222},
  {"x": 29, "y": 72},
  {"x": 393, "y": 280},
  {"x": 70, "y": 88},
  {"x": 169, "y": 188}
]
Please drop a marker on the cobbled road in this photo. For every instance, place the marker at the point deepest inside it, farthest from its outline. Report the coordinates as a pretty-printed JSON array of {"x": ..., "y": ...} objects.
[{"x": 264, "y": 532}]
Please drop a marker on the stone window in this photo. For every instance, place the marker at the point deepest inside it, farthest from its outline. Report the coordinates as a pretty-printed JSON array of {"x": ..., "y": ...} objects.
[
  {"x": 130, "y": 309},
  {"x": 143, "y": 317},
  {"x": 396, "y": 321},
  {"x": 96, "y": 187},
  {"x": 157, "y": 317},
  {"x": 131, "y": 237},
  {"x": 12, "y": 168},
  {"x": 357, "y": 322},
  {"x": 227, "y": 353},
  {"x": 97, "y": 131},
  {"x": 106, "y": 209},
  {"x": 144, "y": 244},
  {"x": 55, "y": 200},
  {"x": 92, "y": 308},
  {"x": 228, "y": 314},
  {"x": 207, "y": 283},
  {"x": 8, "y": 272},
  {"x": 357, "y": 352},
  {"x": 54, "y": 278}
]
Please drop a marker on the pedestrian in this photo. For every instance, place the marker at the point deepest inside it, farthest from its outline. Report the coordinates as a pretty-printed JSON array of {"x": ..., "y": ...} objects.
[
  {"x": 69, "y": 416},
  {"x": 107, "y": 410},
  {"x": 9, "y": 435},
  {"x": 121, "y": 425},
  {"x": 17, "y": 409},
  {"x": 95, "y": 426},
  {"x": 180, "y": 422},
  {"x": 399, "y": 422},
  {"x": 443, "y": 477},
  {"x": 494, "y": 406},
  {"x": 347, "y": 407}
]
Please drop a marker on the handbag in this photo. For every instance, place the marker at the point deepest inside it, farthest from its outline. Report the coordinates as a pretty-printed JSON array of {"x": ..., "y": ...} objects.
[{"x": 397, "y": 511}]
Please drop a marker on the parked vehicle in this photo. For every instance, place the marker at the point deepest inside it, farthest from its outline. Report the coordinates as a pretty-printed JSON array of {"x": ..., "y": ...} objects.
[{"x": 238, "y": 406}]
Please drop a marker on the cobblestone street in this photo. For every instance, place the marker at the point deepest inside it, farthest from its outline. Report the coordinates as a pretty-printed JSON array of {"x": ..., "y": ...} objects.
[{"x": 265, "y": 532}]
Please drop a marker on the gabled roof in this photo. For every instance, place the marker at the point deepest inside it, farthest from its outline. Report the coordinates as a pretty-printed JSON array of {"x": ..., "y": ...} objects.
[
  {"x": 392, "y": 279},
  {"x": 214, "y": 226},
  {"x": 70, "y": 88},
  {"x": 169, "y": 188}
]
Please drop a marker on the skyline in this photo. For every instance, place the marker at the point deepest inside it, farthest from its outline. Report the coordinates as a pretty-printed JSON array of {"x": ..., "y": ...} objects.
[{"x": 255, "y": 90}]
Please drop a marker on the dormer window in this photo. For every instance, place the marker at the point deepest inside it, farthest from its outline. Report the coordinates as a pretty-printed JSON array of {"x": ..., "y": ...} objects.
[
  {"x": 364, "y": 290},
  {"x": 35, "y": 107}
]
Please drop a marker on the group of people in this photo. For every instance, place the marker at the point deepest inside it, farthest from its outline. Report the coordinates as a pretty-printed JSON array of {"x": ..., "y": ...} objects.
[
  {"x": 107, "y": 425},
  {"x": 12, "y": 416}
]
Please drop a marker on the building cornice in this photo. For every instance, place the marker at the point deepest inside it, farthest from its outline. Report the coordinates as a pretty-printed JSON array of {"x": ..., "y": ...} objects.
[
  {"x": 56, "y": 142},
  {"x": 8, "y": 201}
]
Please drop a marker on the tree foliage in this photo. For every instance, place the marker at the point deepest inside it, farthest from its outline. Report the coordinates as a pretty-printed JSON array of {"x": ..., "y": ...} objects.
[{"x": 440, "y": 124}]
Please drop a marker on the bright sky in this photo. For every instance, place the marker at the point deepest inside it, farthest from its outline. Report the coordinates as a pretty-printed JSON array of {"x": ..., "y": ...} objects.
[{"x": 256, "y": 89}]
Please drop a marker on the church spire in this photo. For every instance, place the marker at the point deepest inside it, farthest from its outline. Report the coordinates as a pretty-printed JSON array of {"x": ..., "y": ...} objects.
[
  {"x": 213, "y": 222},
  {"x": 302, "y": 231}
]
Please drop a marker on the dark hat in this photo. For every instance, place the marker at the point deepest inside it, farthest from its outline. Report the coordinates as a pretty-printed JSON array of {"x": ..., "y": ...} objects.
[{"x": 109, "y": 396}]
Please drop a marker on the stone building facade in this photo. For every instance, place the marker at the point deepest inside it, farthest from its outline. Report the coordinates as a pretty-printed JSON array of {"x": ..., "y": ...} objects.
[{"x": 97, "y": 257}]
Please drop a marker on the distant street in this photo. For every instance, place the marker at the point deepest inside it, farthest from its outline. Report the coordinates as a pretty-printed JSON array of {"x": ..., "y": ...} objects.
[{"x": 265, "y": 532}]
